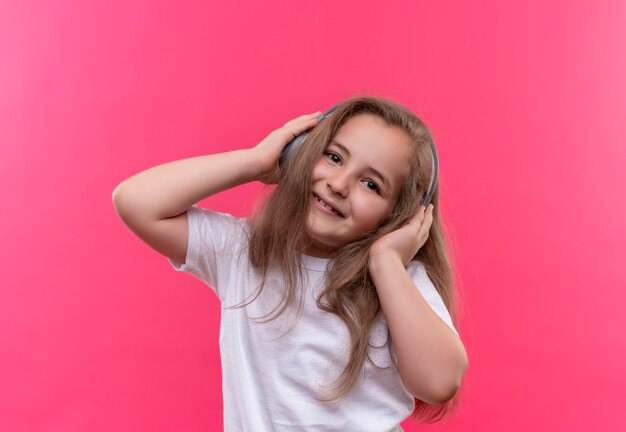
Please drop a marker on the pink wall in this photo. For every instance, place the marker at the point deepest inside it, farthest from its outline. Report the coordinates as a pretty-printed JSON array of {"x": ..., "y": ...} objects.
[{"x": 527, "y": 103}]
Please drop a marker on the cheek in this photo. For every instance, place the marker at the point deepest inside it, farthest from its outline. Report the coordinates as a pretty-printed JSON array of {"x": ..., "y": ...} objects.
[
  {"x": 318, "y": 171},
  {"x": 368, "y": 211},
  {"x": 319, "y": 166},
  {"x": 322, "y": 172}
]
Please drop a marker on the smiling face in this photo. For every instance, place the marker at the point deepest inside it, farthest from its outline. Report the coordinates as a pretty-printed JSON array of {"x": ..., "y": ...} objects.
[{"x": 356, "y": 182}]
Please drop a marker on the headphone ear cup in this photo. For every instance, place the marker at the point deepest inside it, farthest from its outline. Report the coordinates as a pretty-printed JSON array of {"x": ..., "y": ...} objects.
[{"x": 293, "y": 145}]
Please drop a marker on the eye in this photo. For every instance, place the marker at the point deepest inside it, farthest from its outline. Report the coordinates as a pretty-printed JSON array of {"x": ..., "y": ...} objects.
[
  {"x": 371, "y": 185},
  {"x": 333, "y": 157}
]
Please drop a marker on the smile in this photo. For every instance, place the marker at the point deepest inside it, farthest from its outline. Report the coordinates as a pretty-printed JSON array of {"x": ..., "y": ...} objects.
[{"x": 325, "y": 207}]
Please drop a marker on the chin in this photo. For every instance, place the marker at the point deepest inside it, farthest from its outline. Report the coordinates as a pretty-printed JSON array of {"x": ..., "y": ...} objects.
[{"x": 319, "y": 242}]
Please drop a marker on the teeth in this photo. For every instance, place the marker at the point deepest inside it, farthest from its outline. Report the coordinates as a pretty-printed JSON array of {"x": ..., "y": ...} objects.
[{"x": 321, "y": 201}]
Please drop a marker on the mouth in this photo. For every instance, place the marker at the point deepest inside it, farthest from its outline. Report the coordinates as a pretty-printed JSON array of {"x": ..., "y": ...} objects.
[{"x": 327, "y": 206}]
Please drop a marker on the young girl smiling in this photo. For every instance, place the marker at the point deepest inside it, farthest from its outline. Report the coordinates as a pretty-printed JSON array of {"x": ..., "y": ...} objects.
[{"x": 337, "y": 297}]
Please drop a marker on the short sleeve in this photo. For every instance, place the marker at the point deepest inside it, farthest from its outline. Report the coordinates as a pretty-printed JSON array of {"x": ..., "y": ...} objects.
[
  {"x": 417, "y": 272},
  {"x": 215, "y": 243},
  {"x": 425, "y": 286}
]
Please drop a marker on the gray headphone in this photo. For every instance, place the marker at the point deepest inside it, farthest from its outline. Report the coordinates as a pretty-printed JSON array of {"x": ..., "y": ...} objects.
[{"x": 295, "y": 144}]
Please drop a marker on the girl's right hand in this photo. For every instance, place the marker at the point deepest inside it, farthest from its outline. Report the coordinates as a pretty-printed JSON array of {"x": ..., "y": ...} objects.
[{"x": 269, "y": 150}]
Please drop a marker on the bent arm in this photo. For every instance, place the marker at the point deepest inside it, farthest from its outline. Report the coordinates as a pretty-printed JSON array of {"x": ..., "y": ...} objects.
[
  {"x": 431, "y": 358},
  {"x": 170, "y": 189},
  {"x": 153, "y": 204}
]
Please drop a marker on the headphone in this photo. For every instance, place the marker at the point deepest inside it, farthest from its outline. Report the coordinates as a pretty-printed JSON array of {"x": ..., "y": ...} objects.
[{"x": 296, "y": 143}]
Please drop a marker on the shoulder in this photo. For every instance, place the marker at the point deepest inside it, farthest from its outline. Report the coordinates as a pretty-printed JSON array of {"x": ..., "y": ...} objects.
[
  {"x": 416, "y": 269},
  {"x": 418, "y": 273},
  {"x": 218, "y": 233},
  {"x": 217, "y": 221}
]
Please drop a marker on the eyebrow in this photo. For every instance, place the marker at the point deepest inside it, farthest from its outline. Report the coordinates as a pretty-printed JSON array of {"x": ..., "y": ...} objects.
[{"x": 375, "y": 171}]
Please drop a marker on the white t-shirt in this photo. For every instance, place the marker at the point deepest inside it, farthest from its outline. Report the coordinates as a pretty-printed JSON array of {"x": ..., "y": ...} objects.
[{"x": 270, "y": 382}]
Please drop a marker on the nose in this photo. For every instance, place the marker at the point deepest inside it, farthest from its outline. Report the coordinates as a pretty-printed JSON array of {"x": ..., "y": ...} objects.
[{"x": 339, "y": 183}]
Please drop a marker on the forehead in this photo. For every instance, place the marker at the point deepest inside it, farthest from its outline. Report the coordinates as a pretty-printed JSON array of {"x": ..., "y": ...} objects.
[{"x": 371, "y": 141}]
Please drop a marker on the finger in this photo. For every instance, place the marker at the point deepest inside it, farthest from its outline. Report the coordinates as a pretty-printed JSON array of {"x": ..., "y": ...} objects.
[
  {"x": 415, "y": 224},
  {"x": 299, "y": 127},
  {"x": 415, "y": 220},
  {"x": 427, "y": 220},
  {"x": 293, "y": 129},
  {"x": 422, "y": 213},
  {"x": 419, "y": 216},
  {"x": 427, "y": 213},
  {"x": 304, "y": 118}
]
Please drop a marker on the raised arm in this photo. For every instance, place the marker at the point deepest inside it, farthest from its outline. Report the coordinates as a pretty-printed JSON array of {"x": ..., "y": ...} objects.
[
  {"x": 154, "y": 203},
  {"x": 170, "y": 189},
  {"x": 431, "y": 358}
]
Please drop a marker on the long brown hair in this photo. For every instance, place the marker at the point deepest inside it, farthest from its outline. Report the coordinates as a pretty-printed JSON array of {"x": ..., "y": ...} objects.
[{"x": 278, "y": 234}]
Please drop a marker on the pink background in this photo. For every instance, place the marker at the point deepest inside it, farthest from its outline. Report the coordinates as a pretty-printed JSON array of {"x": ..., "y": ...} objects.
[{"x": 527, "y": 103}]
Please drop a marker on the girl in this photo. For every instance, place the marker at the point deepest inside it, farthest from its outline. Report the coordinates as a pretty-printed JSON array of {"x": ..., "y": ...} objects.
[{"x": 335, "y": 295}]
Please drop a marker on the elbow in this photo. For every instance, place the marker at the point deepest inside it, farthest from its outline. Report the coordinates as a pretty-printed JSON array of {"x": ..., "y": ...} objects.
[
  {"x": 116, "y": 200},
  {"x": 441, "y": 391},
  {"x": 122, "y": 203},
  {"x": 449, "y": 390},
  {"x": 116, "y": 192},
  {"x": 440, "y": 394},
  {"x": 122, "y": 197},
  {"x": 115, "y": 195},
  {"x": 444, "y": 394}
]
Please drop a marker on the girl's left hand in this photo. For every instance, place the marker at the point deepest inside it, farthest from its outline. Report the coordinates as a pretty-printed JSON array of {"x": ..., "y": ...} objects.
[{"x": 406, "y": 241}]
